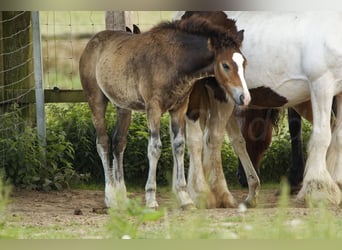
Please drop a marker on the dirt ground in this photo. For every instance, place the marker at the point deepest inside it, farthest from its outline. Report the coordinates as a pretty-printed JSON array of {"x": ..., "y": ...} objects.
[{"x": 79, "y": 211}]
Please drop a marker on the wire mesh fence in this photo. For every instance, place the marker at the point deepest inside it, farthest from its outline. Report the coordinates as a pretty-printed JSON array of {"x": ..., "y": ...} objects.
[
  {"x": 64, "y": 36},
  {"x": 66, "y": 33}
]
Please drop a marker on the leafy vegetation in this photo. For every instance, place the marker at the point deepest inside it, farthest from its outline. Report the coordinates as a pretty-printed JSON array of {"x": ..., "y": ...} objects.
[
  {"x": 27, "y": 164},
  {"x": 71, "y": 154}
]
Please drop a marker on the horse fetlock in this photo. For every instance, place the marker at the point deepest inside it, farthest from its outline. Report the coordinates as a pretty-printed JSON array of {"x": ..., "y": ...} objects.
[
  {"x": 150, "y": 199},
  {"x": 316, "y": 191},
  {"x": 184, "y": 198},
  {"x": 115, "y": 196},
  {"x": 226, "y": 200},
  {"x": 250, "y": 202},
  {"x": 201, "y": 194},
  {"x": 253, "y": 182}
]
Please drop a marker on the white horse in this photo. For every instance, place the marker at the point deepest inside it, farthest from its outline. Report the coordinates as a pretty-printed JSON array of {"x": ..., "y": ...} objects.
[{"x": 297, "y": 57}]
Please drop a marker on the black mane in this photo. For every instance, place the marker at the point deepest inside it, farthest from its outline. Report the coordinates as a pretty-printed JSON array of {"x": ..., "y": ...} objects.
[{"x": 221, "y": 36}]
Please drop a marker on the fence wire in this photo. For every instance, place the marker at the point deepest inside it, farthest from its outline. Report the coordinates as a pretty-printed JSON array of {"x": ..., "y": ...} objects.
[{"x": 16, "y": 74}]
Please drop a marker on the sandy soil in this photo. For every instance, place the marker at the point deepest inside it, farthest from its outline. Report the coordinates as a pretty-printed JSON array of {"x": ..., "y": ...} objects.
[{"x": 79, "y": 213}]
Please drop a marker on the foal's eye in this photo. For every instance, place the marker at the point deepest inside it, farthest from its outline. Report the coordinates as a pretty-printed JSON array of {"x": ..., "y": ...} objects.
[{"x": 225, "y": 66}]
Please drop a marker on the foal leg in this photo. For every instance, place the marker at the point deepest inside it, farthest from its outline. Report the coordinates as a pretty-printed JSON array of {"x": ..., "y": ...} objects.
[
  {"x": 119, "y": 144},
  {"x": 239, "y": 145},
  {"x": 98, "y": 105},
  {"x": 334, "y": 159},
  {"x": 317, "y": 182},
  {"x": 177, "y": 128},
  {"x": 212, "y": 163},
  {"x": 153, "y": 151},
  {"x": 197, "y": 186}
]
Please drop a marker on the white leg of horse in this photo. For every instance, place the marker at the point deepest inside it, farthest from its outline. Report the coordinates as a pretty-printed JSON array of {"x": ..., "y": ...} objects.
[
  {"x": 317, "y": 183},
  {"x": 110, "y": 198},
  {"x": 239, "y": 145},
  {"x": 197, "y": 186},
  {"x": 334, "y": 158},
  {"x": 212, "y": 164},
  {"x": 153, "y": 152},
  {"x": 178, "y": 147}
]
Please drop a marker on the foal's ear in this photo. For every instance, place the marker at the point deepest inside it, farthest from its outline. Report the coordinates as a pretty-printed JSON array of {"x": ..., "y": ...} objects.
[
  {"x": 136, "y": 29},
  {"x": 211, "y": 44},
  {"x": 239, "y": 37},
  {"x": 128, "y": 29}
]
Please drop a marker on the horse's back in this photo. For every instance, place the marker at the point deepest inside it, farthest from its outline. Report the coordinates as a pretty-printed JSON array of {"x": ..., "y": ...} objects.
[
  {"x": 296, "y": 47},
  {"x": 97, "y": 45}
]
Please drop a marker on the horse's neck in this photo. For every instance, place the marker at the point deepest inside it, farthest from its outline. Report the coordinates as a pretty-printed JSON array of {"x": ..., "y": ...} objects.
[{"x": 194, "y": 57}]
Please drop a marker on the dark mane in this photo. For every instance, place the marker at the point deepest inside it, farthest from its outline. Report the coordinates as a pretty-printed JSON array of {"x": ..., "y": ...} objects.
[{"x": 221, "y": 35}]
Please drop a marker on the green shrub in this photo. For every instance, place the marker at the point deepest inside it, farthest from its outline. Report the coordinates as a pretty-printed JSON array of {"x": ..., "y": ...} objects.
[
  {"x": 27, "y": 164},
  {"x": 278, "y": 159},
  {"x": 71, "y": 154},
  {"x": 75, "y": 121}
]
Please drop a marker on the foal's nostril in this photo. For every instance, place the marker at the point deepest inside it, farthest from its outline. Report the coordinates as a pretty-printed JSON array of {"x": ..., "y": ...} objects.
[{"x": 242, "y": 98}]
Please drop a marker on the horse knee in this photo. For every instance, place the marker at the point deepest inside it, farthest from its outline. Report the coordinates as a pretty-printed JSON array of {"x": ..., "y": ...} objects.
[
  {"x": 319, "y": 139},
  {"x": 178, "y": 146},
  {"x": 214, "y": 139},
  {"x": 119, "y": 144},
  {"x": 154, "y": 148}
]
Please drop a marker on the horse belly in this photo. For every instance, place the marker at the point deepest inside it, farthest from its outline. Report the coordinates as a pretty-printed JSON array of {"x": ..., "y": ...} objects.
[{"x": 120, "y": 91}]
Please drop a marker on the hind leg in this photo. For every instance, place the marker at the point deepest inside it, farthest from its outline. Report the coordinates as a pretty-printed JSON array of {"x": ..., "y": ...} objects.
[
  {"x": 334, "y": 160},
  {"x": 177, "y": 128},
  {"x": 98, "y": 105},
  {"x": 153, "y": 151},
  {"x": 119, "y": 142}
]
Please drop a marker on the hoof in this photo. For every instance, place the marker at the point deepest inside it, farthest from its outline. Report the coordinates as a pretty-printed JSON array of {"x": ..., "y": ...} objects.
[
  {"x": 316, "y": 191},
  {"x": 204, "y": 200},
  {"x": 250, "y": 203},
  {"x": 226, "y": 200},
  {"x": 152, "y": 205},
  {"x": 188, "y": 207}
]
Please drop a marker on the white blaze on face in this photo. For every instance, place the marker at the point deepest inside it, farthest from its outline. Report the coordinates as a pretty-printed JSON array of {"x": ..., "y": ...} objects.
[{"x": 238, "y": 59}]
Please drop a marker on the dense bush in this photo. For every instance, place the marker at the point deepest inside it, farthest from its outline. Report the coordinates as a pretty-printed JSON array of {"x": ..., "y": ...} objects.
[
  {"x": 71, "y": 153},
  {"x": 75, "y": 121},
  {"x": 22, "y": 156},
  {"x": 278, "y": 157}
]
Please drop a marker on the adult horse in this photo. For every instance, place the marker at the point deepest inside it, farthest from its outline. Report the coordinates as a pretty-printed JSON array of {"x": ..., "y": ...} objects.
[
  {"x": 299, "y": 58},
  {"x": 154, "y": 72}
]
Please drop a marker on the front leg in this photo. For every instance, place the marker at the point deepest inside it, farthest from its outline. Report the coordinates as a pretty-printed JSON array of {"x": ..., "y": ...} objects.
[
  {"x": 212, "y": 143},
  {"x": 239, "y": 145},
  {"x": 198, "y": 188},
  {"x": 318, "y": 184}
]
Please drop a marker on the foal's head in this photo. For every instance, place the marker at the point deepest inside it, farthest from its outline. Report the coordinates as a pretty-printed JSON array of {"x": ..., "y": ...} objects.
[{"x": 225, "y": 41}]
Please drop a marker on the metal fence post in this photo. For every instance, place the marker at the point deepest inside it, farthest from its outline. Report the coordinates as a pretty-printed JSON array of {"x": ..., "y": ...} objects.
[{"x": 38, "y": 77}]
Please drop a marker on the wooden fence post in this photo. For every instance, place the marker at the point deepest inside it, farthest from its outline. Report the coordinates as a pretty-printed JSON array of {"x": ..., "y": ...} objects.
[{"x": 118, "y": 20}]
